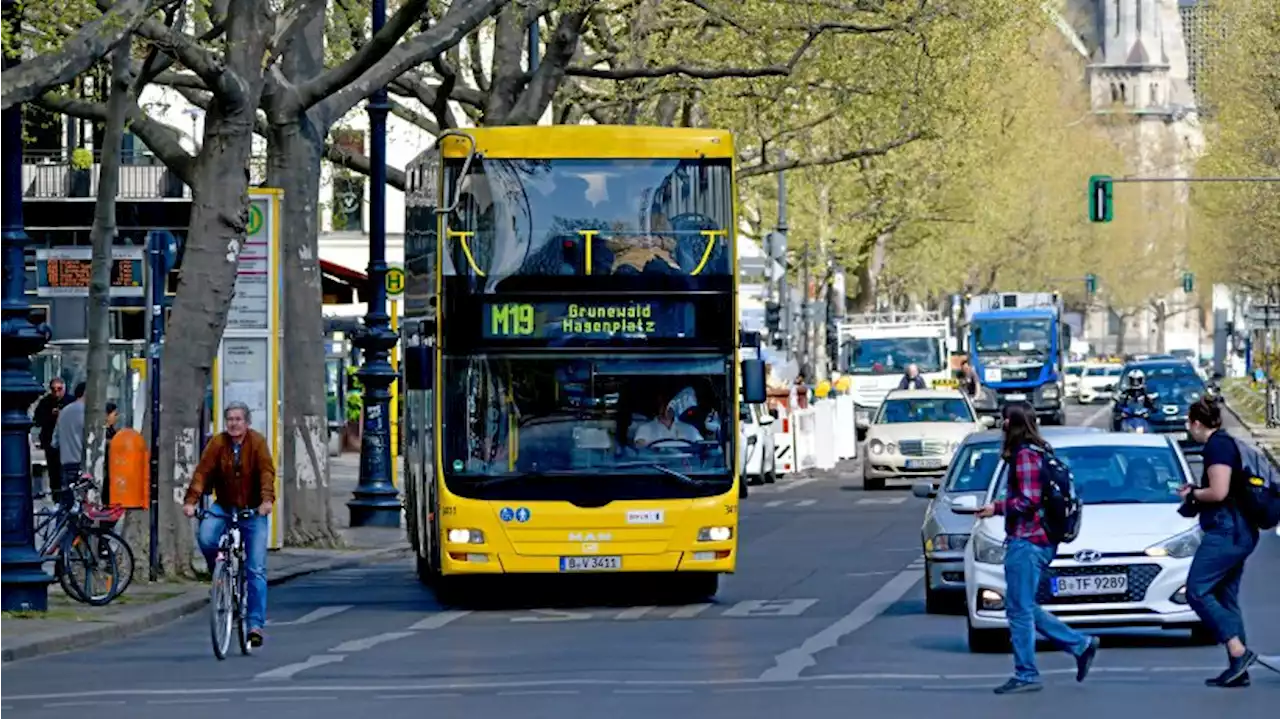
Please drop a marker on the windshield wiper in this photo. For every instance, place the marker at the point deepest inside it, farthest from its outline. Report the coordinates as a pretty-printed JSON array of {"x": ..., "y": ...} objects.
[{"x": 684, "y": 478}]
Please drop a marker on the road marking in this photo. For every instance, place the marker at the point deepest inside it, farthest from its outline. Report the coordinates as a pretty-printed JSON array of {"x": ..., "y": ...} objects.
[
  {"x": 287, "y": 671},
  {"x": 437, "y": 620},
  {"x": 789, "y": 664},
  {"x": 806, "y": 503},
  {"x": 774, "y": 503},
  {"x": 1095, "y": 416},
  {"x": 313, "y": 616},
  {"x": 553, "y": 615},
  {"x": 652, "y": 691},
  {"x": 359, "y": 645},
  {"x": 633, "y": 613},
  {"x": 538, "y": 692},
  {"x": 769, "y": 608},
  {"x": 424, "y": 695},
  {"x": 690, "y": 611},
  {"x": 871, "y": 574},
  {"x": 174, "y": 702},
  {"x": 798, "y": 483},
  {"x": 84, "y": 704},
  {"x": 882, "y": 500},
  {"x": 291, "y": 699}
]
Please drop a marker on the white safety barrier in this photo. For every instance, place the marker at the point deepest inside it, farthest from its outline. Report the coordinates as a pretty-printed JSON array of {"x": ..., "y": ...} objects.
[
  {"x": 804, "y": 434},
  {"x": 844, "y": 427},
  {"x": 824, "y": 430},
  {"x": 784, "y": 450}
]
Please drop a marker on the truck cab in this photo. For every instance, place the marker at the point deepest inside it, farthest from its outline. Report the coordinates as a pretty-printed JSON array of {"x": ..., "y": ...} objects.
[
  {"x": 1017, "y": 347},
  {"x": 875, "y": 348}
]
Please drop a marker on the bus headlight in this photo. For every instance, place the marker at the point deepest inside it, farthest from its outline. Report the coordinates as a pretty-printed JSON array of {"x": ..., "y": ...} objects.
[
  {"x": 715, "y": 534},
  {"x": 465, "y": 536}
]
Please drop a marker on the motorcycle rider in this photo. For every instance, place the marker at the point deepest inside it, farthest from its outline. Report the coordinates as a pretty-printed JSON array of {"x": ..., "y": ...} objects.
[{"x": 1134, "y": 395}]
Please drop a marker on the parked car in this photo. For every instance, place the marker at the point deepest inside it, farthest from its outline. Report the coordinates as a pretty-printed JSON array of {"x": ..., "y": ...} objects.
[
  {"x": 759, "y": 460},
  {"x": 1128, "y": 567},
  {"x": 915, "y": 433},
  {"x": 945, "y": 533}
]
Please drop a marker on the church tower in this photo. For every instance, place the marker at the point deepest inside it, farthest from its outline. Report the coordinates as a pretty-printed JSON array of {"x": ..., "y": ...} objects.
[{"x": 1139, "y": 64}]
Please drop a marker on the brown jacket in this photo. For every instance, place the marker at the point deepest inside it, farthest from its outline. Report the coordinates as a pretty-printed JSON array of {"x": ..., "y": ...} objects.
[{"x": 246, "y": 487}]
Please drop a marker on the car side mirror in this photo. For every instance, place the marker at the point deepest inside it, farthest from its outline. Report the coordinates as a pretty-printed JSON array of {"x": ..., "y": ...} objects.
[
  {"x": 987, "y": 421},
  {"x": 924, "y": 490},
  {"x": 966, "y": 504}
]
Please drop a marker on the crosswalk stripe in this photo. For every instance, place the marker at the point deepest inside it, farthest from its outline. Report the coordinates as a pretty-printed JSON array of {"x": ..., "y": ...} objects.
[{"x": 806, "y": 503}]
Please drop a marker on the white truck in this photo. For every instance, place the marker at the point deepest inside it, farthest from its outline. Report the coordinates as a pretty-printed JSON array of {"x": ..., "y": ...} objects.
[{"x": 876, "y": 349}]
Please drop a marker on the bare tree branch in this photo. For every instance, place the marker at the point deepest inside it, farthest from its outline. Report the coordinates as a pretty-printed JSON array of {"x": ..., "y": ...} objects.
[
  {"x": 207, "y": 65},
  {"x": 834, "y": 159},
  {"x": 550, "y": 73},
  {"x": 162, "y": 139},
  {"x": 360, "y": 163},
  {"x": 90, "y": 44},
  {"x": 370, "y": 53}
]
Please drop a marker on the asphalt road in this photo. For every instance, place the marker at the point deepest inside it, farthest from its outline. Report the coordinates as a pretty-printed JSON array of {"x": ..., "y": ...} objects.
[{"x": 824, "y": 618}]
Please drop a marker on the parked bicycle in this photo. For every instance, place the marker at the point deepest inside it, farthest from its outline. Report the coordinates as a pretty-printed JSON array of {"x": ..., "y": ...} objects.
[
  {"x": 229, "y": 595},
  {"x": 93, "y": 564}
]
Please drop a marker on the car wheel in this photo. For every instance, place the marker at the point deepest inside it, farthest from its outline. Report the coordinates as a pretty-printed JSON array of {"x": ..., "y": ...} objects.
[
  {"x": 987, "y": 641},
  {"x": 772, "y": 475},
  {"x": 934, "y": 602},
  {"x": 742, "y": 488}
]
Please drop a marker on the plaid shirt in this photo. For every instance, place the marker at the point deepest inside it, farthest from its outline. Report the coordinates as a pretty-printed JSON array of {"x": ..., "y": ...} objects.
[{"x": 1022, "y": 508}]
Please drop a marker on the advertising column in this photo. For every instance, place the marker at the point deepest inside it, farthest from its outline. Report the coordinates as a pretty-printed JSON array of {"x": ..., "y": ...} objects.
[{"x": 248, "y": 363}]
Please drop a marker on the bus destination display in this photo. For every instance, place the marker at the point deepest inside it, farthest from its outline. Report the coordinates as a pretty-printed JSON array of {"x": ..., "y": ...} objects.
[{"x": 587, "y": 320}]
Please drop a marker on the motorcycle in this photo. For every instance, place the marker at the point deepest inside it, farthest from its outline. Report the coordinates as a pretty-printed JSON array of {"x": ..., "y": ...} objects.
[{"x": 1134, "y": 420}]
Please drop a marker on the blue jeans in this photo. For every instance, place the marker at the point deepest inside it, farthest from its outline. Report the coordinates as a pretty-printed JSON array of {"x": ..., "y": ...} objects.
[
  {"x": 1213, "y": 582},
  {"x": 1024, "y": 563},
  {"x": 254, "y": 532}
]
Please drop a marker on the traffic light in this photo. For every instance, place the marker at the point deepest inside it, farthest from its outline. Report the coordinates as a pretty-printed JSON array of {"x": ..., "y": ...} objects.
[
  {"x": 1091, "y": 284},
  {"x": 1188, "y": 282},
  {"x": 773, "y": 317},
  {"x": 1100, "y": 198}
]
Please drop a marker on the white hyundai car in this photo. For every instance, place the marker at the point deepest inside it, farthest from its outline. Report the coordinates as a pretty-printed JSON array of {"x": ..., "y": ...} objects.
[{"x": 1128, "y": 567}]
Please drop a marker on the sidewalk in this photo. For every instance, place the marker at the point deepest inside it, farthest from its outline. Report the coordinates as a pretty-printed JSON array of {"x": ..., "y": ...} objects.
[
  {"x": 70, "y": 625},
  {"x": 1267, "y": 439}
]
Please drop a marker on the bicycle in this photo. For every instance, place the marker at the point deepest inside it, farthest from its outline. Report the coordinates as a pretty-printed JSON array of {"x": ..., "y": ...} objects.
[
  {"x": 229, "y": 596},
  {"x": 74, "y": 536}
]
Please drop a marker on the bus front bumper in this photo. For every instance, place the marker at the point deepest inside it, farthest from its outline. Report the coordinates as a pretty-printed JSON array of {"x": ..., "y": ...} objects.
[{"x": 473, "y": 561}]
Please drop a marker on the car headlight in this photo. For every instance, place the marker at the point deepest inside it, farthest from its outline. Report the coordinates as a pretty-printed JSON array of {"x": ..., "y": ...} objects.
[
  {"x": 1050, "y": 392},
  {"x": 987, "y": 550},
  {"x": 715, "y": 534},
  {"x": 952, "y": 447},
  {"x": 947, "y": 543},
  {"x": 1179, "y": 546},
  {"x": 876, "y": 446},
  {"x": 466, "y": 536}
]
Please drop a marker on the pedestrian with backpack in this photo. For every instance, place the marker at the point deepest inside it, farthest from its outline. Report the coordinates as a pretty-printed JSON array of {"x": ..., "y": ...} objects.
[
  {"x": 1221, "y": 501},
  {"x": 1031, "y": 544}
]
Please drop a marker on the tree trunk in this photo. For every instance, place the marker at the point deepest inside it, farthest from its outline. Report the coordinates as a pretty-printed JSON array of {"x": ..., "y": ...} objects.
[
  {"x": 294, "y": 155},
  {"x": 869, "y": 273},
  {"x": 1120, "y": 336},
  {"x": 103, "y": 238},
  {"x": 1162, "y": 320}
]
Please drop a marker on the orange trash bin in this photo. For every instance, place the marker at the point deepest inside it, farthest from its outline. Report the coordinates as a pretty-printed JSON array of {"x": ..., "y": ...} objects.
[{"x": 130, "y": 465}]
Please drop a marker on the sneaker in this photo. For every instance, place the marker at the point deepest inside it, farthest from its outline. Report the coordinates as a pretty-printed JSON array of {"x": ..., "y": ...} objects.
[
  {"x": 1239, "y": 667},
  {"x": 1018, "y": 686},
  {"x": 256, "y": 638},
  {"x": 1240, "y": 683},
  {"x": 1085, "y": 660}
]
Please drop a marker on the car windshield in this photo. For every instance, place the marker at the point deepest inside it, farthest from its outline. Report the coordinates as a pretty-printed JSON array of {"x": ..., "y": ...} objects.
[
  {"x": 974, "y": 467},
  {"x": 1171, "y": 389},
  {"x": 1118, "y": 474},
  {"x": 1075, "y": 370},
  {"x": 1011, "y": 336},
  {"x": 891, "y": 355},
  {"x": 518, "y": 415},
  {"x": 924, "y": 409}
]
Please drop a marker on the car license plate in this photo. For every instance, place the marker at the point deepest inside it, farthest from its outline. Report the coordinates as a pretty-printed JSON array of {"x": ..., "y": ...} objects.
[
  {"x": 1086, "y": 585},
  {"x": 590, "y": 564},
  {"x": 924, "y": 463},
  {"x": 1016, "y": 397},
  {"x": 1180, "y": 436}
]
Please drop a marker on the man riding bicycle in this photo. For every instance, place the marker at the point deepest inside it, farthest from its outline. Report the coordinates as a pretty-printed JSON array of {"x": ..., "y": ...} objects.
[{"x": 237, "y": 467}]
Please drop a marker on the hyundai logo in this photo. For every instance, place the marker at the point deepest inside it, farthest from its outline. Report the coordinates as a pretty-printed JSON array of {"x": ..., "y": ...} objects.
[
  {"x": 1088, "y": 555},
  {"x": 1171, "y": 409}
]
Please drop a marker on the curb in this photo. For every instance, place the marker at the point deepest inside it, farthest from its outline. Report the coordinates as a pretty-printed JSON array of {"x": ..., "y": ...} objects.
[
  {"x": 1266, "y": 451},
  {"x": 134, "y": 621}
]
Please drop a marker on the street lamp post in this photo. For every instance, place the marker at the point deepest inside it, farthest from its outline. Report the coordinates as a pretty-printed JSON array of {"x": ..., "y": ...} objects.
[
  {"x": 24, "y": 585},
  {"x": 375, "y": 501}
]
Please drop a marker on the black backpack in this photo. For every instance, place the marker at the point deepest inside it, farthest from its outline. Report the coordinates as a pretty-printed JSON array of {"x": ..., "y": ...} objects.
[
  {"x": 1060, "y": 505},
  {"x": 1257, "y": 487}
]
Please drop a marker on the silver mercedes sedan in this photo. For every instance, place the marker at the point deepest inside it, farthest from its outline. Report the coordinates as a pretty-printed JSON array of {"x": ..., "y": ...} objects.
[{"x": 945, "y": 533}]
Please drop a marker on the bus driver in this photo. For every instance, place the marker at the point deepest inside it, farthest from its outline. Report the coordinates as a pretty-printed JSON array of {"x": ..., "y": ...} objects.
[{"x": 666, "y": 425}]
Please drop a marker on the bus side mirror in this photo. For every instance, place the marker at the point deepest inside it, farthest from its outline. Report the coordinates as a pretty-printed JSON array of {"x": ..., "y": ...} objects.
[
  {"x": 753, "y": 390},
  {"x": 418, "y": 369}
]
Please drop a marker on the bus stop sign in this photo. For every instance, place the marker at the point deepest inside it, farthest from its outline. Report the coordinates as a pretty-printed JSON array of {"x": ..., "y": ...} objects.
[{"x": 394, "y": 282}]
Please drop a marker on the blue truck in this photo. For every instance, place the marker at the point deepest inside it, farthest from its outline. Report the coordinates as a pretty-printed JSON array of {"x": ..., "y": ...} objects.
[{"x": 1018, "y": 343}]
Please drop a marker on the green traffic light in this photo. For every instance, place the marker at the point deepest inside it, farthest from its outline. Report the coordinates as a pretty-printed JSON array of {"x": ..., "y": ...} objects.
[{"x": 1100, "y": 209}]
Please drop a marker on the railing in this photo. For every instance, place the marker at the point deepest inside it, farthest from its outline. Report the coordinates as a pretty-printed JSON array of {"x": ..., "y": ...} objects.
[{"x": 49, "y": 175}]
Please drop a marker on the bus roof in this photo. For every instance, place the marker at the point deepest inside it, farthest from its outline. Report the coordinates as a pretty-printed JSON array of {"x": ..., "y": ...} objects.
[{"x": 592, "y": 141}]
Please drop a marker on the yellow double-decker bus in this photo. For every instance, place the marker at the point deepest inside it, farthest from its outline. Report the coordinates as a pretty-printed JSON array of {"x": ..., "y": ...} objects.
[{"x": 571, "y": 336}]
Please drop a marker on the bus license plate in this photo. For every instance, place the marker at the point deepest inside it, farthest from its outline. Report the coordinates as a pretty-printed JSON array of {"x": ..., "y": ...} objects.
[
  {"x": 924, "y": 464},
  {"x": 590, "y": 564},
  {"x": 1099, "y": 584},
  {"x": 1015, "y": 397}
]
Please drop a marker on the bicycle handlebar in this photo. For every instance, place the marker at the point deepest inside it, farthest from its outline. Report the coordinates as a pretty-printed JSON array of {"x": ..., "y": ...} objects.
[{"x": 237, "y": 514}]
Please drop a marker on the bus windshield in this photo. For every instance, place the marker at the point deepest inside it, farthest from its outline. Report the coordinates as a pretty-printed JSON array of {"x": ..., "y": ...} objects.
[
  {"x": 891, "y": 355},
  {"x": 589, "y": 216},
  {"x": 590, "y": 416},
  {"x": 1011, "y": 336}
]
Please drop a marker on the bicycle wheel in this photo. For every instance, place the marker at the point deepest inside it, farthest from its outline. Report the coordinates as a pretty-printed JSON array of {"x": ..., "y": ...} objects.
[
  {"x": 88, "y": 574},
  {"x": 124, "y": 558},
  {"x": 221, "y": 609},
  {"x": 242, "y": 611}
]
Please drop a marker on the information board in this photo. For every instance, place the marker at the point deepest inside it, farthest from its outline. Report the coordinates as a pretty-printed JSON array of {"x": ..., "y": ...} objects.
[
  {"x": 587, "y": 320},
  {"x": 248, "y": 365},
  {"x": 66, "y": 271}
]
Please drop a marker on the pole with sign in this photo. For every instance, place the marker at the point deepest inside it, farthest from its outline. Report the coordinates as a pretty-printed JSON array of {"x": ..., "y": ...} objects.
[
  {"x": 395, "y": 289},
  {"x": 247, "y": 368}
]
